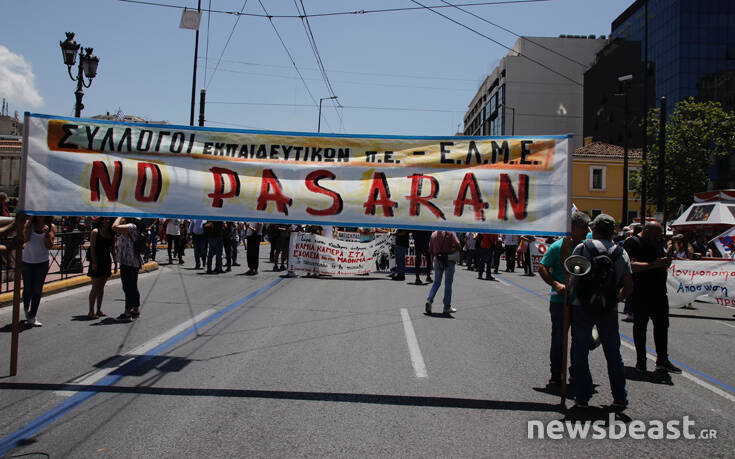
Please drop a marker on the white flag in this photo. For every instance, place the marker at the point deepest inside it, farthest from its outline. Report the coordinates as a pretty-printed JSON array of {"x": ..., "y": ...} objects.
[{"x": 725, "y": 243}]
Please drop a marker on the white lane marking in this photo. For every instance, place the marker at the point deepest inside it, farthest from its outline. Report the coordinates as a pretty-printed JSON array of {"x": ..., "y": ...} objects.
[
  {"x": 723, "y": 323},
  {"x": 417, "y": 360},
  {"x": 689, "y": 376},
  {"x": 503, "y": 282},
  {"x": 95, "y": 376}
]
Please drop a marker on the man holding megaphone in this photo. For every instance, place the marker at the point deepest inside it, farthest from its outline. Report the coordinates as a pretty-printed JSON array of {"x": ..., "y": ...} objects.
[{"x": 552, "y": 272}]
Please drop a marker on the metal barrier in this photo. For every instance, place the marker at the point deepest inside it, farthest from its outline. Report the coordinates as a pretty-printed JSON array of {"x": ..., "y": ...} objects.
[{"x": 67, "y": 259}]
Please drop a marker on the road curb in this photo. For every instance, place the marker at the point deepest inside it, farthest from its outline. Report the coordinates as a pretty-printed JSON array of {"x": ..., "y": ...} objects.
[{"x": 6, "y": 299}]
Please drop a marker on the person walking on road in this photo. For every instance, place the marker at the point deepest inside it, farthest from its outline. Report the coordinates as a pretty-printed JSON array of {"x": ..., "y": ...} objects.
[
  {"x": 129, "y": 230},
  {"x": 421, "y": 251},
  {"x": 38, "y": 235},
  {"x": 650, "y": 297},
  {"x": 401, "y": 249},
  {"x": 215, "y": 244},
  {"x": 606, "y": 320},
  {"x": 552, "y": 272},
  {"x": 101, "y": 255},
  {"x": 196, "y": 229},
  {"x": 173, "y": 232},
  {"x": 252, "y": 236},
  {"x": 511, "y": 246},
  {"x": 444, "y": 248}
]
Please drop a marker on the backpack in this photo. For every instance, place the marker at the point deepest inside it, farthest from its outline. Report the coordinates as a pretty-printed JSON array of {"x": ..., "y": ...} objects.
[{"x": 597, "y": 290}]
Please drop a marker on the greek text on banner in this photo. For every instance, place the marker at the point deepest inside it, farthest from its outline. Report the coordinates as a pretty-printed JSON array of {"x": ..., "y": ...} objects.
[{"x": 489, "y": 184}]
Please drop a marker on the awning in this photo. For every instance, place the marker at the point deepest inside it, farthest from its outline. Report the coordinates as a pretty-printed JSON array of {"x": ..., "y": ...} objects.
[
  {"x": 706, "y": 215},
  {"x": 717, "y": 195}
]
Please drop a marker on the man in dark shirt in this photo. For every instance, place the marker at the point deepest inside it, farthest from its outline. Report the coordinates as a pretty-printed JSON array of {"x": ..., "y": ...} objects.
[
  {"x": 649, "y": 297},
  {"x": 401, "y": 249},
  {"x": 421, "y": 249}
]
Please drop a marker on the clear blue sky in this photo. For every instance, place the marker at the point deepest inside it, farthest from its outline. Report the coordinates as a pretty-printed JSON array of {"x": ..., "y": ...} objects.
[{"x": 391, "y": 61}]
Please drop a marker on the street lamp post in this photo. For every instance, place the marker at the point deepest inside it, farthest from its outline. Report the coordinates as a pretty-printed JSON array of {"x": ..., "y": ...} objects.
[
  {"x": 625, "y": 81},
  {"x": 87, "y": 67},
  {"x": 319, "y": 124}
]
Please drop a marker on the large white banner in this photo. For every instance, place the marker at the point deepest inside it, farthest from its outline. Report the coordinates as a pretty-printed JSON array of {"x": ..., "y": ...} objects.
[
  {"x": 689, "y": 279},
  {"x": 312, "y": 254},
  {"x": 94, "y": 167}
]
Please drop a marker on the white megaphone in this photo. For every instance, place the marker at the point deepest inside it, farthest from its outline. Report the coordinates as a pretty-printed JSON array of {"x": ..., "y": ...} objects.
[{"x": 577, "y": 265}]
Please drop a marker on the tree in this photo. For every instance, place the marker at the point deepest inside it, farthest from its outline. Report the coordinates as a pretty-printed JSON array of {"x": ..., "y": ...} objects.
[{"x": 696, "y": 134}]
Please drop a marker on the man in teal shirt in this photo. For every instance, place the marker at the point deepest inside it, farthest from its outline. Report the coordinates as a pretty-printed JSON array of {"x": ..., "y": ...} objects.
[{"x": 553, "y": 273}]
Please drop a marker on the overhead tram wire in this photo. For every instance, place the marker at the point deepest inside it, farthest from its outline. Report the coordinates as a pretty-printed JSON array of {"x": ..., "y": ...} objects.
[
  {"x": 362, "y": 83},
  {"x": 285, "y": 48},
  {"x": 498, "y": 43},
  {"x": 517, "y": 35},
  {"x": 405, "y": 109},
  {"x": 318, "y": 57},
  {"x": 226, "y": 44},
  {"x": 339, "y": 13},
  {"x": 421, "y": 77}
]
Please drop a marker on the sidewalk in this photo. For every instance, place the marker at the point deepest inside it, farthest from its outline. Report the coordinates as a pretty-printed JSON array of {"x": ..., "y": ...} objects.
[{"x": 6, "y": 299}]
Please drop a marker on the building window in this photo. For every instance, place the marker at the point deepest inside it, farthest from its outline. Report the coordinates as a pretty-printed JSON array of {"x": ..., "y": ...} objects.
[
  {"x": 597, "y": 178},
  {"x": 595, "y": 212}
]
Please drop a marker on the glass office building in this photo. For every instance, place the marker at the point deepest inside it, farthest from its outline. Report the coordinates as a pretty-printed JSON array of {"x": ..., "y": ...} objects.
[{"x": 691, "y": 45}]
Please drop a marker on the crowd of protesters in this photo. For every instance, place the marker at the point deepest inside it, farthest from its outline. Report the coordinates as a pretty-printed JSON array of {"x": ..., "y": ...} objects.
[{"x": 215, "y": 249}]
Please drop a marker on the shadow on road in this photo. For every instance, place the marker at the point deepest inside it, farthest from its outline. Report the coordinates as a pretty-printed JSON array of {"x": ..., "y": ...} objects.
[
  {"x": 439, "y": 315},
  {"x": 654, "y": 377},
  {"x": 22, "y": 326},
  {"x": 375, "y": 399}
]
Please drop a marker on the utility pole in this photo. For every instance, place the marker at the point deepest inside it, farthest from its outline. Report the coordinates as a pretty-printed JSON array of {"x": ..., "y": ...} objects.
[
  {"x": 645, "y": 114},
  {"x": 661, "y": 204},
  {"x": 194, "y": 78},
  {"x": 202, "y": 98}
]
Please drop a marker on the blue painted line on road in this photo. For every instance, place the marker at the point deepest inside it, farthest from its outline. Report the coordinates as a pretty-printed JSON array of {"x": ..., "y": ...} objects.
[
  {"x": 52, "y": 415},
  {"x": 686, "y": 367}
]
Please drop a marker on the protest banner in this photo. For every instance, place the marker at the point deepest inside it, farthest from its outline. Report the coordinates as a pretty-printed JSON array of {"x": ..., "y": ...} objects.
[
  {"x": 538, "y": 249},
  {"x": 347, "y": 236},
  {"x": 74, "y": 166},
  {"x": 313, "y": 254},
  {"x": 689, "y": 279}
]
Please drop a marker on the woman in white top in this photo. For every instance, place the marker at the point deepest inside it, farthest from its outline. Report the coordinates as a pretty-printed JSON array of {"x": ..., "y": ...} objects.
[
  {"x": 173, "y": 233},
  {"x": 38, "y": 235}
]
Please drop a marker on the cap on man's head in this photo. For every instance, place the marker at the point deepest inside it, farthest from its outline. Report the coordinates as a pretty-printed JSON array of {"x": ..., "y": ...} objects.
[{"x": 604, "y": 223}]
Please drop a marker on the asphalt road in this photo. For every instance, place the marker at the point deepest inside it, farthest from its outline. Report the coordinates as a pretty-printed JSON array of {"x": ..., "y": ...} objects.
[{"x": 278, "y": 367}]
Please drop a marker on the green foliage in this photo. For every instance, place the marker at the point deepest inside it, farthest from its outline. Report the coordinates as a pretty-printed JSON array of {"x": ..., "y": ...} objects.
[{"x": 696, "y": 134}]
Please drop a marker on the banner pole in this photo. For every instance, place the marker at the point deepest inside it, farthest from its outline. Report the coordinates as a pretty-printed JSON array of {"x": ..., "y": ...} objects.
[
  {"x": 20, "y": 219},
  {"x": 16, "y": 302}
]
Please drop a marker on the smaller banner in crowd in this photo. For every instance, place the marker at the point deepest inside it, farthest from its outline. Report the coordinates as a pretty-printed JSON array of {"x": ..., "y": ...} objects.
[
  {"x": 537, "y": 248},
  {"x": 313, "y": 254},
  {"x": 689, "y": 279},
  {"x": 348, "y": 236}
]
